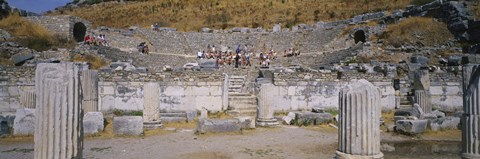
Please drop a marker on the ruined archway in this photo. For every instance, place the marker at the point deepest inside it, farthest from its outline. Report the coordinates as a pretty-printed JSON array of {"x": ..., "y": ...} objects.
[
  {"x": 79, "y": 31},
  {"x": 359, "y": 36}
]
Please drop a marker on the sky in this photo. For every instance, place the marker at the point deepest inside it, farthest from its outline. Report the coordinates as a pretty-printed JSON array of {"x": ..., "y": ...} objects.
[{"x": 37, "y": 6}]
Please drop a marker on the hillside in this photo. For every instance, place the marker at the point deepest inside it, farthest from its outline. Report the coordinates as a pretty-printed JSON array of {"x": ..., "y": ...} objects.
[{"x": 191, "y": 15}]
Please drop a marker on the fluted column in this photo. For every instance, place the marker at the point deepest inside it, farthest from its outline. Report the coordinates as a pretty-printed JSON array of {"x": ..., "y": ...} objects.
[
  {"x": 359, "y": 125},
  {"x": 471, "y": 109},
  {"x": 151, "y": 110},
  {"x": 265, "y": 108},
  {"x": 89, "y": 82},
  {"x": 422, "y": 98},
  {"x": 58, "y": 129},
  {"x": 27, "y": 99}
]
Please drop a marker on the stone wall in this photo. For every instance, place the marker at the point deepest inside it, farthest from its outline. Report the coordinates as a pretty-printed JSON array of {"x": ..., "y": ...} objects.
[
  {"x": 174, "y": 96},
  {"x": 14, "y": 82},
  {"x": 191, "y": 42},
  {"x": 179, "y": 91},
  {"x": 61, "y": 25}
]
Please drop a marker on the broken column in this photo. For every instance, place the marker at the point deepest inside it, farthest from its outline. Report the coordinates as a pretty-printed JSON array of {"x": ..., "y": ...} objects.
[
  {"x": 27, "y": 99},
  {"x": 265, "y": 108},
  {"x": 471, "y": 116},
  {"x": 58, "y": 127},
  {"x": 89, "y": 82},
  {"x": 359, "y": 124},
  {"x": 421, "y": 87},
  {"x": 151, "y": 110}
]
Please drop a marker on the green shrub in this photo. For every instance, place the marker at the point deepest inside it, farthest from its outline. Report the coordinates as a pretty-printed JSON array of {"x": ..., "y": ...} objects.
[{"x": 118, "y": 112}]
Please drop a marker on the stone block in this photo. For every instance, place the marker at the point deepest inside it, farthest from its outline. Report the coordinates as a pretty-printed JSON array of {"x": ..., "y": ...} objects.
[
  {"x": 93, "y": 122},
  {"x": 128, "y": 125},
  {"x": 407, "y": 112},
  {"x": 218, "y": 125},
  {"x": 246, "y": 122},
  {"x": 445, "y": 123},
  {"x": 191, "y": 115},
  {"x": 310, "y": 118},
  {"x": 22, "y": 56},
  {"x": 288, "y": 119},
  {"x": 411, "y": 127},
  {"x": 24, "y": 123},
  {"x": 6, "y": 123}
]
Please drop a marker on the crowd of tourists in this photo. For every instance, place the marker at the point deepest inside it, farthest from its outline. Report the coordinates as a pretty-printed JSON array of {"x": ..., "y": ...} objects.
[
  {"x": 243, "y": 55},
  {"x": 95, "y": 40}
]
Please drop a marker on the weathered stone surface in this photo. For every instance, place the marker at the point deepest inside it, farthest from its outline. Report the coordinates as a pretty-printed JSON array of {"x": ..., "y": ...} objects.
[
  {"x": 471, "y": 115},
  {"x": 58, "y": 127},
  {"x": 246, "y": 122},
  {"x": 422, "y": 99},
  {"x": 288, "y": 119},
  {"x": 89, "y": 82},
  {"x": 151, "y": 110},
  {"x": 191, "y": 115},
  {"x": 445, "y": 123},
  {"x": 93, "y": 122},
  {"x": 218, "y": 125},
  {"x": 27, "y": 99},
  {"x": 277, "y": 28},
  {"x": 411, "y": 127},
  {"x": 264, "y": 108},
  {"x": 419, "y": 59},
  {"x": 310, "y": 118},
  {"x": 128, "y": 125},
  {"x": 22, "y": 56},
  {"x": 359, "y": 124},
  {"x": 6, "y": 123},
  {"x": 24, "y": 123}
]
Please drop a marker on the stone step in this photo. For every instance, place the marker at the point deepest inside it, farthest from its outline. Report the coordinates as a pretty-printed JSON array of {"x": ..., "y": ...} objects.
[
  {"x": 243, "y": 102},
  {"x": 173, "y": 119},
  {"x": 242, "y": 113},
  {"x": 237, "y": 77},
  {"x": 242, "y": 106},
  {"x": 238, "y": 94},
  {"x": 183, "y": 115}
]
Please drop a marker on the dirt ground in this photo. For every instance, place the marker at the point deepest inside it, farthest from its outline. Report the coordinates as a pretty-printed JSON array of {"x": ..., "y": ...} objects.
[{"x": 286, "y": 142}]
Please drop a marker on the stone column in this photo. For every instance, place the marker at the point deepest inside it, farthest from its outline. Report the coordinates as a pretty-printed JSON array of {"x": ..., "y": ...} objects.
[
  {"x": 151, "y": 110},
  {"x": 422, "y": 98},
  {"x": 225, "y": 92},
  {"x": 421, "y": 87},
  {"x": 264, "y": 109},
  {"x": 471, "y": 108},
  {"x": 58, "y": 128},
  {"x": 27, "y": 100},
  {"x": 89, "y": 82},
  {"x": 359, "y": 125}
]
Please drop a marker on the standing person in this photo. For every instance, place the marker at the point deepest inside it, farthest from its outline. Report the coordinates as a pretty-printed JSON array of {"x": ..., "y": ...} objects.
[{"x": 237, "y": 58}]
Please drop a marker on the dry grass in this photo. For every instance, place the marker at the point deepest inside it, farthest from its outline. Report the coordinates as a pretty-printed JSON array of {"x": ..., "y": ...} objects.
[
  {"x": 417, "y": 31},
  {"x": 191, "y": 15},
  {"x": 94, "y": 61},
  {"x": 32, "y": 35}
]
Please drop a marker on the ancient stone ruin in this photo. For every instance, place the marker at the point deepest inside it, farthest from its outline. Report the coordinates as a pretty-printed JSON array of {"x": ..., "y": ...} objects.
[
  {"x": 359, "y": 127},
  {"x": 58, "y": 128},
  {"x": 471, "y": 116}
]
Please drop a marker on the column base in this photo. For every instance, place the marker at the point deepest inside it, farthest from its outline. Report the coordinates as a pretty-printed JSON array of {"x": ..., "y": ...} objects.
[
  {"x": 469, "y": 156},
  {"x": 267, "y": 122},
  {"x": 150, "y": 125},
  {"x": 341, "y": 155}
]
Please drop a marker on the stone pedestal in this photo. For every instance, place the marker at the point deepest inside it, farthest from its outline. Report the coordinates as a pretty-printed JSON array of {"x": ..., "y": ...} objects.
[
  {"x": 359, "y": 121},
  {"x": 58, "y": 127},
  {"x": 422, "y": 98},
  {"x": 89, "y": 82},
  {"x": 264, "y": 109},
  {"x": 151, "y": 110},
  {"x": 421, "y": 87},
  {"x": 471, "y": 117},
  {"x": 27, "y": 99}
]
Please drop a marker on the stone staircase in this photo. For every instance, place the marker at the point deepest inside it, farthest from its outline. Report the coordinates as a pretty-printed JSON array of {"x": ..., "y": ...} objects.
[
  {"x": 172, "y": 117},
  {"x": 239, "y": 102},
  {"x": 406, "y": 102}
]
